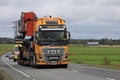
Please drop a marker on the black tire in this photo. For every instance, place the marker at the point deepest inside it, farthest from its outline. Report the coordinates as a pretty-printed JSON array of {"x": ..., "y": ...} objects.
[
  {"x": 31, "y": 62},
  {"x": 37, "y": 66},
  {"x": 14, "y": 60}
]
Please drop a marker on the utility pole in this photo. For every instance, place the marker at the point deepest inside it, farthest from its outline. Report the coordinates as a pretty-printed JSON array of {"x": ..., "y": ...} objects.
[{"x": 15, "y": 29}]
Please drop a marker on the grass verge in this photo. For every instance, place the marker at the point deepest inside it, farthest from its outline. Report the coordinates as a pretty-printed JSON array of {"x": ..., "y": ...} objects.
[
  {"x": 4, "y": 48},
  {"x": 107, "y": 57},
  {"x": 4, "y": 76}
]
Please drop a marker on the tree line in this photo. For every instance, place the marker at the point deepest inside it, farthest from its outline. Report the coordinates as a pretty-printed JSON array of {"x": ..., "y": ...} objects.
[
  {"x": 6, "y": 41},
  {"x": 104, "y": 41}
]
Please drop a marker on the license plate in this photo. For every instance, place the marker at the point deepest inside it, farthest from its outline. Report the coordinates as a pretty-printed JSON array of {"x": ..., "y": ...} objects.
[
  {"x": 53, "y": 62},
  {"x": 53, "y": 57}
]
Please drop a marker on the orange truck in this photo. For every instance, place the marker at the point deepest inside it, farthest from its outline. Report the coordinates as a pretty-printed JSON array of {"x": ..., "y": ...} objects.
[{"x": 45, "y": 41}]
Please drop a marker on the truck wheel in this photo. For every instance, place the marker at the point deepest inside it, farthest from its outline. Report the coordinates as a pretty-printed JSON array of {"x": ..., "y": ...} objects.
[
  {"x": 19, "y": 63},
  {"x": 31, "y": 62},
  {"x": 14, "y": 60},
  {"x": 37, "y": 66}
]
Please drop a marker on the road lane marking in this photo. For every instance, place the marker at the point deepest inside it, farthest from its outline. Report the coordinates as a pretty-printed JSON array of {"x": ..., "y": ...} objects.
[
  {"x": 101, "y": 68},
  {"x": 109, "y": 79},
  {"x": 74, "y": 70},
  {"x": 14, "y": 68}
]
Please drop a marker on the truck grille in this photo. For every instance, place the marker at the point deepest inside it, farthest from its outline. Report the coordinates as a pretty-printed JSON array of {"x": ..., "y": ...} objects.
[{"x": 53, "y": 54}]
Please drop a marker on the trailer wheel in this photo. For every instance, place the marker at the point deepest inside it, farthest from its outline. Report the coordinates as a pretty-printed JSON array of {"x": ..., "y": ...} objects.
[{"x": 14, "y": 60}]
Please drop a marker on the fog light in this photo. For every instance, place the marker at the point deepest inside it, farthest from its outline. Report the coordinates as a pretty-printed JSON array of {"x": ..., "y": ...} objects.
[{"x": 41, "y": 60}]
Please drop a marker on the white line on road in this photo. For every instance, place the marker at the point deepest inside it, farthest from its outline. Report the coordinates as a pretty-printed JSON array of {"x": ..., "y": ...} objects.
[
  {"x": 109, "y": 79},
  {"x": 14, "y": 68},
  {"x": 74, "y": 70},
  {"x": 101, "y": 68}
]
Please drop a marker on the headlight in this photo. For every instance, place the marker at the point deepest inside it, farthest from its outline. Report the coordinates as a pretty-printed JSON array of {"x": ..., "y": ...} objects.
[
  {"x": 58, "y": 51},
  {"x": 48, "y": 51},
  {"x": 52, "y": 51},
  {"x": 55, "y": 51}
]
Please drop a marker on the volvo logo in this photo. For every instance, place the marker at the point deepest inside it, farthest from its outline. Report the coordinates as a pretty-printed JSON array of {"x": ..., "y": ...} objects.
[{"x": 53, "y": 51}]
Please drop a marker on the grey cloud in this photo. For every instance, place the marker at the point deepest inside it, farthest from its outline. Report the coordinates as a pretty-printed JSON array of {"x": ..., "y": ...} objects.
[
  {"x": 84, "y": 18},
  {"x": 4, "y": 2},
  {"x": 83, "y": 2},
  {"x": 96, "y": 2},
  {"x": 111, "y": 3}
]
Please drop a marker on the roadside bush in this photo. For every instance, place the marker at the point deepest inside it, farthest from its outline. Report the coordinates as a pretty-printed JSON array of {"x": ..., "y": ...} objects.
[{"x": 106, "y": 61}]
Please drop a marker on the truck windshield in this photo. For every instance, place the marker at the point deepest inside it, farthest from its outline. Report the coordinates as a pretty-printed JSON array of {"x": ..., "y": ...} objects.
[{"x": 53, "y": 35}]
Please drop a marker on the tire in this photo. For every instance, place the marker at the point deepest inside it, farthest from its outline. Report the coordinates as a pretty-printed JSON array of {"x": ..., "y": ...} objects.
[
  {"x": 31, "y": 62},
  {"x": 37, "y": 66},
  {"x": 14, "y": 60},
  {"x": 19, "y": 62}
]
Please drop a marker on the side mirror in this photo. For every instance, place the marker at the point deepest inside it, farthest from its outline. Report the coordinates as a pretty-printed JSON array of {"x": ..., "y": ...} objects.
[
  {"x": 36, "y": 35},
  {"x": 68, "y": 36}
]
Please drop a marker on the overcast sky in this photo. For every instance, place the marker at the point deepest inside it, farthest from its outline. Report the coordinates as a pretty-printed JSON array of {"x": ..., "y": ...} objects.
[{"x": 85, "y": 19}]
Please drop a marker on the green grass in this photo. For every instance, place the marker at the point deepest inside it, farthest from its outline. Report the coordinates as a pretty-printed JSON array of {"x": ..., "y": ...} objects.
[
  {"x": 4, "y": 48},
  {"x": 4, "y": 76},
  {"x": 95, "y": 56}
]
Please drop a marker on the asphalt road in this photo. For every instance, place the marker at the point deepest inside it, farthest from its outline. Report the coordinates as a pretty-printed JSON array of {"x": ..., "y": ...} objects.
[{"x": 73, "y": 72}]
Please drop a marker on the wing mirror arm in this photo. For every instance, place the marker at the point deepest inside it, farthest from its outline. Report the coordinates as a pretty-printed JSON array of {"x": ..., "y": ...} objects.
[{"x": 68, "y": 36}]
